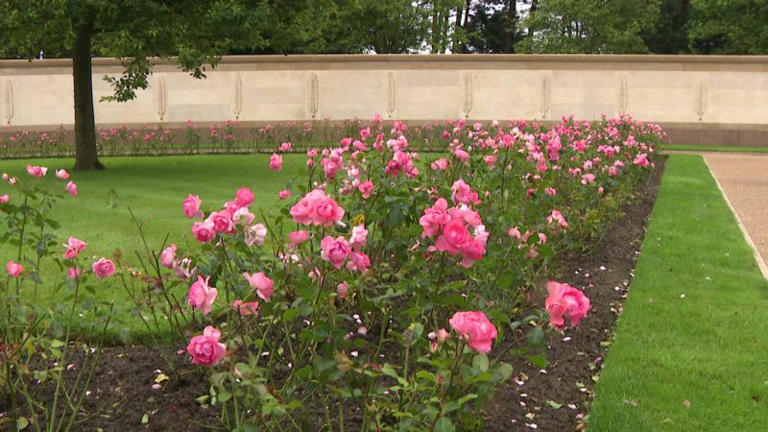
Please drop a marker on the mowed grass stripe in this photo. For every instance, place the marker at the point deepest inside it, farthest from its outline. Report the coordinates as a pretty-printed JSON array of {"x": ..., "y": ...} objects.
[{"x": 691, "y": 348}]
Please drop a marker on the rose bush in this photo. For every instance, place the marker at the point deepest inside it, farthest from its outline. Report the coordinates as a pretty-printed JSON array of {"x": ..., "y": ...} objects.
[
  {"x": 327, "y": 303},
  {"x": 335, "y": 309}
]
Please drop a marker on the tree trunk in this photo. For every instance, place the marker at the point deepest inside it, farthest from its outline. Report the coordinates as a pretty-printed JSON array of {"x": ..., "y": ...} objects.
[
  {"x": 86, "y": 155},
  {"x": 509, "y": 41},
  {"x": 531, "y": 11},
  {"x": 456, "y": 29}
]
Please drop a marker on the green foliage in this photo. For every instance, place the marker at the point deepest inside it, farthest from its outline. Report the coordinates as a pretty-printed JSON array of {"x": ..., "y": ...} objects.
[
  {"x": 589, "y": 26},
  {"x": 729, "y": 26}
]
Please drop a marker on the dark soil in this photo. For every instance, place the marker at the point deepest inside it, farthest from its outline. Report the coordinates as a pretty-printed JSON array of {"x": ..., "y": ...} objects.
[{"x": 556, "y": 399}]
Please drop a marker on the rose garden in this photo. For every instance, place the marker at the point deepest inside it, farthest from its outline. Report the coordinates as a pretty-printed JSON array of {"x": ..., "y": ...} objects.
[{"x": 352, "y": 243}]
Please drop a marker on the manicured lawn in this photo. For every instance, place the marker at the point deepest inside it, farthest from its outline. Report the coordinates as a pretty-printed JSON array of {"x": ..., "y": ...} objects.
[
  {"x": 691, "y": 346},
  {"x": 733, "y": 149},
  {"x": 154, "y": 188}
]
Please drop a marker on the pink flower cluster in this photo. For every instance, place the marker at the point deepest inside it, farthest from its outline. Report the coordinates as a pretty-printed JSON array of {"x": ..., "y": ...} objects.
[
  {"x": 337, "y": 250},
  {"x": 317, "y": 208},
  {"x": 452, "y": 229},
  {"x": 224, "y": 221}
]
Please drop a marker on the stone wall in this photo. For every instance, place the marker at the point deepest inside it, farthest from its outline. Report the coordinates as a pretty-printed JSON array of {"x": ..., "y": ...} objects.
[{"x": 699, "y": 99}]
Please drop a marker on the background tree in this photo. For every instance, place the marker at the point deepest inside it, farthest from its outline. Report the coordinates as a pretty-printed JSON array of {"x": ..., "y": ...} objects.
[
  {"x": 589, "y": 26},
  {"x": 669, "y": 35},
  {"x": 728, "y": 26},
  {"x": 194, "y": 32},
  {"x": 493, "y": 26}
]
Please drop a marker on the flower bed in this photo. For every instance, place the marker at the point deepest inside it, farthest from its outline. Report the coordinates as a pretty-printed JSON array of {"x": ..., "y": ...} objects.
[{"x": 377, "y": 296}]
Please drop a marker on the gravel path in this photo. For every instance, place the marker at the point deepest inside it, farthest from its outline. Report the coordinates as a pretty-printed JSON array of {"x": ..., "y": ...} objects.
[{"x": 744, "y": 179}]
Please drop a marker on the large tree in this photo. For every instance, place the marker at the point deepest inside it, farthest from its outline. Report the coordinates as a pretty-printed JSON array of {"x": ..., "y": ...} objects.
[
  {"x": 728, "y": 26},
  {"x": 589, "y": 26},
  {"x": 193, "y": 32}
]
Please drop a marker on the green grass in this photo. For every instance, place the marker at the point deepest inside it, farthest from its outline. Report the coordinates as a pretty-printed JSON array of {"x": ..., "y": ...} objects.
[
  {"x": 705, "y": 148},
  {"x": 694, "y": 326},
  {"x": 154, "y": 188}
]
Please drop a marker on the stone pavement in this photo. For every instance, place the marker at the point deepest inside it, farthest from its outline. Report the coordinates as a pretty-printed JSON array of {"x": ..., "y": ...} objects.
[{"x": 744, "y": 180}]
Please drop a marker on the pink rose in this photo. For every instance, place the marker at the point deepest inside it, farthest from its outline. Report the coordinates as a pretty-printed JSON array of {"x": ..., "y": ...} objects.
[
  {"x": 434, "y": 218},
  {"x": 183, "y": 268},
  {"x": 243, "y": 216},
  {"x": 335, "y": 250},
  {"x": 202, "y": 296},
  {"x": 472, "y": 251},
  {"x": 284, "y": 147},
  {"x": 641, "y": 160},
  {"x": 192, "y": 207},
  {"x": 255, "y": 234},
  {"x": 222, "y": 221},
  {"x": 366, "y": 188},
  {"x": 298, "y": 237},
  {"x": 74, "y": 273},
  {"x": 328, "y": 212},
  {"x": 558, "y": 219},
  {"x": 358, "y": 237},
  {"x": 461, "y": 155},
  {"x": 168, "y": 256},
  {"x": 62, "y": 174},
  {"x": 244, "y": 197},
  {"x": 358, "y": 261},
  {"x": 103, "y": 268},
  {"x": 587, "y": 178},
  {"x": 317, "y": 208},
  {"x": 475, "y": 328},
  {"x": 565, "y": 301},
  {"x": 303, "y": 211},
  {"x": 439, "y": 165},
  {"x": 342, "y": 289},
  {"x": 276, "y": 162},
  {"x": 261, "y": 283},
  {"x": 203, "y": 231},
  {"x": 489, "y": 160},
  {"x": 36, "y": 171},
  {"x": 245, "y": 308},
  {"x": 550, "y": 191},
  {"x": 284, "y": 194},
  {"x": 4, "y": 198},
  {"x": 74, "y": 246},
  {"x": 14, "y": 269},
  {"x": 71, "y": 188},
  {"x": 514, "y": 232},
  {"x": 206, "y": 350},
  {"x": 455, "y": 234}
]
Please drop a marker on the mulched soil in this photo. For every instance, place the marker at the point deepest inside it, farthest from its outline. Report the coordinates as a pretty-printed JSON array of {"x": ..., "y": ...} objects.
[{"x": 554, "y": 399}]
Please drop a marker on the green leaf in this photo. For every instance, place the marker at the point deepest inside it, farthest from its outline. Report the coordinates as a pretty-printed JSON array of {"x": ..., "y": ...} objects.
[
  {"x": 145, "y": 418},
  {"x": 502, "y": 372},
  {"x": 538, "y": 360},
  {"x": 444, "y": 424},
  {"x": 56, "y": 343},
  {"x": 480, "y": 362},
  {"x": 21, "y": 423},
  {"x": 554, "y": 404},
  {"x": 412, "y": 334},
  {"x": 535, "y": 337}
]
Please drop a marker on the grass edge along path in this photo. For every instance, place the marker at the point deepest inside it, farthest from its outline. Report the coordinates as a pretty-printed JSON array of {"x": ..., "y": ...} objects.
[{"x": 691, "y": 348}]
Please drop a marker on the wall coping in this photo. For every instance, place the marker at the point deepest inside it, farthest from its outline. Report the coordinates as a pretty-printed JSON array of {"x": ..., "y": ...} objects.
[{"x": 393, "y": 59}]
